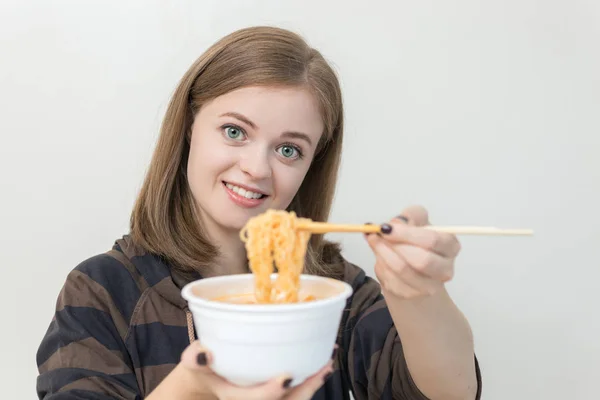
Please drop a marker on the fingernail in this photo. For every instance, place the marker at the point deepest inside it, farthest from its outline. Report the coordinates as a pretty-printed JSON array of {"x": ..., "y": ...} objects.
[
  {"x": 403, "y": 218},
  {"x": 334, "y": 353},
  {"x": 287, "y": 383},
  {"x": 327, "y": 376},
  {"x": 386, "y": 228},
  {"x": 201, "y": 359}
]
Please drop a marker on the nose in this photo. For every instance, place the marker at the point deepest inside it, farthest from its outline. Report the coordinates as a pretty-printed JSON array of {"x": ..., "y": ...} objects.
[{"x": 256, "y": 164}]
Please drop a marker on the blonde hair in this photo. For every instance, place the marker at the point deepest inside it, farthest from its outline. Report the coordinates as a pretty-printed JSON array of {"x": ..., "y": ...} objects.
[{"x": 164, "y": 220}]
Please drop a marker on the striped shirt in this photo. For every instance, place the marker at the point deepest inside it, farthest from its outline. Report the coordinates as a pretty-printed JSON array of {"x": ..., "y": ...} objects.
[{"x": 121, "y": 325}]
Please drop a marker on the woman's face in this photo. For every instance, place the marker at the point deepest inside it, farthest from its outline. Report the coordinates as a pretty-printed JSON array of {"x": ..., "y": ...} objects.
[{"x": 250, "y": 151}]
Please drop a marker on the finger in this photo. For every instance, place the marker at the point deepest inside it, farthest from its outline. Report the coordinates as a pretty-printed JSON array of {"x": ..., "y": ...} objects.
[
  {"x": 197, "y": 358},
  {"x": 402, "y": 277},
  {"x": 427, "y": 263},
  {"x": 391, "y": 284},
  {"x": 308, "y": 388},
  {"x": 443, "y": 243},
  {"x": 273, "y": 389},
  {"x": 415, "y": 215}
]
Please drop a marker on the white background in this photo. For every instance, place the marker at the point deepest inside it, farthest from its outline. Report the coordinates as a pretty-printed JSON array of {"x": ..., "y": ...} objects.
[{"x": 486, "y": 113}]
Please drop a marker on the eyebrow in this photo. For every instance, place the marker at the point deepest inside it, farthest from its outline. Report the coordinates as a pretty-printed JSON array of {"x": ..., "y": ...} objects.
[
  {"x": 239, "y": 117},
  {"x": 298, "y": 135},
  {"x": 289, "y": 134}
]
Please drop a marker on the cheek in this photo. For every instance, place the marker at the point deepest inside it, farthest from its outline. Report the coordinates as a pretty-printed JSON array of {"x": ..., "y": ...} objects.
[
  {"x": 205, "y": 162},
  {"x": 288, "y": 182}
]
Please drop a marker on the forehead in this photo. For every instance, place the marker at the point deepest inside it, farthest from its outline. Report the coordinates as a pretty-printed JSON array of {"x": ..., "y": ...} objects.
[{"x": 273, "y": 109}]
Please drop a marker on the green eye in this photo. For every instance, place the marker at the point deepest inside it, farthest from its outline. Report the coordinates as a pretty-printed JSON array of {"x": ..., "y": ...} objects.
[
  {"x": 233, "y": 132},
  {"x": 288, "y": 151}
]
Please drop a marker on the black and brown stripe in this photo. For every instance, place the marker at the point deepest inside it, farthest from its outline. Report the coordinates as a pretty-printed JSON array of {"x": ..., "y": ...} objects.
[{"x": 120, "y": 327}]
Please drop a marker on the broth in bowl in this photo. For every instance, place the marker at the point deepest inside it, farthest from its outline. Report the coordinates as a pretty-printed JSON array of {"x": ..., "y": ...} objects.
[{"x": 250, "y": 298}]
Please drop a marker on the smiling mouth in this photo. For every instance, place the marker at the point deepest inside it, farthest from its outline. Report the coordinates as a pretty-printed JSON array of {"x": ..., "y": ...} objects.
[{"x": 244, "y": 192}]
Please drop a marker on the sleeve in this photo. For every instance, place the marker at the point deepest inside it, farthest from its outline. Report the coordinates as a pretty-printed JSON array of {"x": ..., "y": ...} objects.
[
  {"x": 375, "y": 364},
  {"x": 83, "y": 353}
]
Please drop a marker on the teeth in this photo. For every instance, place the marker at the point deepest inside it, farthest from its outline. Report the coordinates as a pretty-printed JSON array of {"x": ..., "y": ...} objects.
[{"x": 243, "y": 192}]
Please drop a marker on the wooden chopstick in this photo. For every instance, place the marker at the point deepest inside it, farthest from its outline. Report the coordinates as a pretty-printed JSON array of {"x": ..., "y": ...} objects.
[
  {"x": 324, "y": 227},
  {"x": 481, "y": 230}
]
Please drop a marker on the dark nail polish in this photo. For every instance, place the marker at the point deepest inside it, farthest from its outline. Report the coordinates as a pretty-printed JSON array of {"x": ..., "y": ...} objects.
[
  {"x": 386, "y": 228},
  {"x": 287, "y": 383},
  {"x": 327, "y": 376},
  {"x": 334, "y": 353},
  {"x": 201, "y": 359},
  {"x": 403, "y": 218}
]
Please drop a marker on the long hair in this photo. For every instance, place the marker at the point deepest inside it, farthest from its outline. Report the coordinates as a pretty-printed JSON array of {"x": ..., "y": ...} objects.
[{"x": 164, "y": 220}]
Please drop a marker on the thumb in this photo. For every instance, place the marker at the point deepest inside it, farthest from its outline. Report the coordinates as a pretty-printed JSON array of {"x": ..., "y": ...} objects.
[
  {"x": 197, "y": 361},
  {"x": 197, "y": 358}
]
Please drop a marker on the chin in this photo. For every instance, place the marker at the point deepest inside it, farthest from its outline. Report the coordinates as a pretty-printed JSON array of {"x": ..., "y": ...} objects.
[{"x": 236, "y": 219}]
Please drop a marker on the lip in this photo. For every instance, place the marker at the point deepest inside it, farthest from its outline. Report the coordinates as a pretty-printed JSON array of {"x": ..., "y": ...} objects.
[
  {"x": 241, "y": 200},
  {"x": 246, "y": 187}
]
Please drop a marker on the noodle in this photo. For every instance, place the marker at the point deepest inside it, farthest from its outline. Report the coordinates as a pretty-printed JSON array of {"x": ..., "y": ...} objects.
[{"x": 272, "y": 240}]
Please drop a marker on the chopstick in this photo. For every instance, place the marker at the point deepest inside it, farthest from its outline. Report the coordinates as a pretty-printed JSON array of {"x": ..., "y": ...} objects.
[
  {"x": 481, "y": 230},
  {"x": 324, "y": 227}
]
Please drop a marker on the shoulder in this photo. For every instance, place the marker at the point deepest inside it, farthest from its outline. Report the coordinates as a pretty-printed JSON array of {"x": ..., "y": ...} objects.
[
  {"x": 107, "y": 271},
  {"x": 121, "y": 277},
  {"x": 124, "y": 267},
  {"x": 106, "y": 283},
  {"x": 111, "y": 279}
]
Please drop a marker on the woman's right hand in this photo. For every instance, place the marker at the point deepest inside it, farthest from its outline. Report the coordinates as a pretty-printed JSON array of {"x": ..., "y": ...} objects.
[{"x": 194, "y": 379}]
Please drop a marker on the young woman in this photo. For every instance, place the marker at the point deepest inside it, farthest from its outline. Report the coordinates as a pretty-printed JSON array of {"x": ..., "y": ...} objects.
[{"x": 255, "y": 123}]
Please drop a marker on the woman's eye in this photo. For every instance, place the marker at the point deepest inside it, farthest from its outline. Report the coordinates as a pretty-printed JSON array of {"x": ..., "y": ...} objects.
[
  {"x": 233, "y": 133},
  {"x": 288, "y": 151}
]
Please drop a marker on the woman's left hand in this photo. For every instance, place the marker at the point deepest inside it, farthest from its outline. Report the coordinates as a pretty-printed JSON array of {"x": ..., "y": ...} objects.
[{"x": 412, "y": 261}]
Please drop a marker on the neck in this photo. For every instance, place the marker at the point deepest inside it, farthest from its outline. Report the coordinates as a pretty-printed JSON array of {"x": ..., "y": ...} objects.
[{"x": 232, "y": 253}]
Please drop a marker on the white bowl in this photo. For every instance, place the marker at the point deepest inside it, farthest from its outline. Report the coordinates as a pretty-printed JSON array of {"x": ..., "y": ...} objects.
[{"x": 252, "y": 343}]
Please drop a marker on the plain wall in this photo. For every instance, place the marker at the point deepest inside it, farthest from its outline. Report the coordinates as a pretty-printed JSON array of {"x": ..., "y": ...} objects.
[{"x": 486, "y": 113}]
